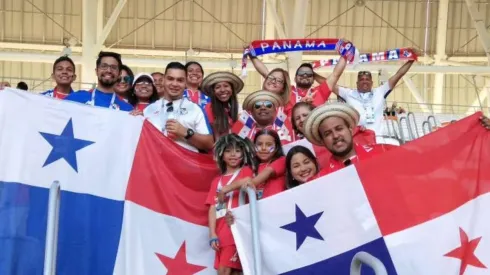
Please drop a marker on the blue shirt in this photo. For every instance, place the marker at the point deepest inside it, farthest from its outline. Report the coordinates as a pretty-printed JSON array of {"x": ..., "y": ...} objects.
[{"x": 101, "y": 99}]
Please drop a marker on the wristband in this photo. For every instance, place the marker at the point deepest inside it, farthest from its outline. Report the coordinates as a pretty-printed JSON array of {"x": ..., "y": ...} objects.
[{"x": 213, "y": 240}]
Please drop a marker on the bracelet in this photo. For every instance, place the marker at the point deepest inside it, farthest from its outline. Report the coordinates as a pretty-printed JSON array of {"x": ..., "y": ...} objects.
[{"x": 213, "y": 240}]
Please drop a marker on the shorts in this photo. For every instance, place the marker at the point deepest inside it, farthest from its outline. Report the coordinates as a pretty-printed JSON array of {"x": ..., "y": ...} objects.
[{"x": 227, "y": 256}]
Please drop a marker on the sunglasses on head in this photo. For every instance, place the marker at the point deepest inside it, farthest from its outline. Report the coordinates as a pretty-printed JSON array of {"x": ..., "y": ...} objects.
[
  {"x": 126, "y": 79},
  {"x": 363, "y": 73},
  {"x": 266, "y": 104},
  {"x": 304, "y": 74}
]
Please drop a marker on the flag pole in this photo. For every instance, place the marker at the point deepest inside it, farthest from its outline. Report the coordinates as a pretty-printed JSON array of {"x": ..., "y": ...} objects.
[
  {"x": 254, "y": 214},
  {"x": 367, "y": 259},
  {"x": 50, "y": 250}
]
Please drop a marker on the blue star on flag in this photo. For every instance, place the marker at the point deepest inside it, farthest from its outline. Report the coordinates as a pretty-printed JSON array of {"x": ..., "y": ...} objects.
[
  {"x": 304, "y": 227},
  {"x": 65, "y": 146}
]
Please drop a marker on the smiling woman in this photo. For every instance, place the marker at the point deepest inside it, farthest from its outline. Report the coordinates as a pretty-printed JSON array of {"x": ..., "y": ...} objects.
[
  {"x": 143, "y": 92},
  {"x": 222, "y": 112}
]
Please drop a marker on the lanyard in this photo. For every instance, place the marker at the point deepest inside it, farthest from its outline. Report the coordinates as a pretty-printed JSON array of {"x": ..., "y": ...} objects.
[
  {"x": 366, "y": 101},
  {"x": 220, "y": 208},
  {"x": 111, "y": 105},
  {"x": 164, "y": 115}
]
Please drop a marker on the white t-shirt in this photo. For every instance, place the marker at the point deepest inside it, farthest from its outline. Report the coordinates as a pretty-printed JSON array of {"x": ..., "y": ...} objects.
[
  {"x": 369, "y": 105},
  {"x": 187, "y": 113}
]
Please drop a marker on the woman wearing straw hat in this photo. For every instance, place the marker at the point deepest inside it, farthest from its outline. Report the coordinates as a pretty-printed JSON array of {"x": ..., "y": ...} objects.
[
  {"x": 222, "y": 112},
  {"x": 262, "y": 111}
]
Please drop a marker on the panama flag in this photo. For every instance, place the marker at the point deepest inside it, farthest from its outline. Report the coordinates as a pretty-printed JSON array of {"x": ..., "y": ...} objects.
[
  {"x": 132, "y": 202},
  {"x": 419, "y": 209}
]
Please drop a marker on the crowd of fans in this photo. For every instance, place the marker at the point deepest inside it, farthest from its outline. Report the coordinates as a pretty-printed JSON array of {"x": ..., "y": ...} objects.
[{"x": 202, "y": 114}]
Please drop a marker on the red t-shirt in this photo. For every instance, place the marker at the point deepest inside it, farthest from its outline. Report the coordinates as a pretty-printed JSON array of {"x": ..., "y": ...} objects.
[
  {"x": 362, "y": 152},
  {"x": 141, "y": 106},
  {"x": 222, "y": 229},
  {"x": 274, "y": 185},
  {"x": 209, "y": 114},
  {"x": 320, "y": 93}
]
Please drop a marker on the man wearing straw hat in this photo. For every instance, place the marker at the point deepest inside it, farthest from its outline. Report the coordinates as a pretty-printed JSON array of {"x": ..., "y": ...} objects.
[
  {"x": 331, "y": 125},
  {"x": 262, "y": 112}
]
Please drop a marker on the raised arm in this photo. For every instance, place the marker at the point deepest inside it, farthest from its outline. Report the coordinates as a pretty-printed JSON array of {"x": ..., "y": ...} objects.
[
  {"x": 259, "y": 66},
  {"x": 334, "y": 77},
  {"x": 400, "y": 73}
]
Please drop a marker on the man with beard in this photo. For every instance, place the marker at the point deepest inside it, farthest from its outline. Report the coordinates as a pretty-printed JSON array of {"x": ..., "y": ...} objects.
[
  {"x": 64, "y": 75},
  {"x": 158, "y": 77},
  {"x": 331, "y": 125},
  {"x": 263, "y": 107},
  {"x": 177, "y": 117},
  {"x": 108, "y": 71}
]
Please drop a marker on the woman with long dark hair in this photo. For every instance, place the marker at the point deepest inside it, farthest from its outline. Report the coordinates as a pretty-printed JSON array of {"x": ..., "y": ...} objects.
[
  {"x": 301, "y": 166},
  {"x": 222, "y": 112},
  {"x": 123, "y": 87},
  {"x": 143, "y": 92},
  {"x": 300, "y": 112}
]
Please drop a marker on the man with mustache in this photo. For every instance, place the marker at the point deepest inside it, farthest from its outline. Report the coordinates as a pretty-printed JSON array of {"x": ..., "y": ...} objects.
[
  {"x": 177, "y": 117},
  {"x": 64, "y": 75},
  {"x": 263, "y": 108},
  {"x": 331, "y": 125},
  {"x": 370, "y": 102},
  {"x": 108, "y": 71}
]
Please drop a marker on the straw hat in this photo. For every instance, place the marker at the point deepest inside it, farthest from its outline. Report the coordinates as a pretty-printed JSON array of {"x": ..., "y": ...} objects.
[
  {"x": 261, "y": 95},
  {"x": 336, "y": 109},
  {"x": 217, "y": 77},
  {"x": 140, "y": 75}
]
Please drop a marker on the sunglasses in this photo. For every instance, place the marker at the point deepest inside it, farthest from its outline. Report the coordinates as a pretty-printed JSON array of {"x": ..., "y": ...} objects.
[
  {"x": 126, "y": 79},
  {"x": 275, "y": 80},
  {"x": 143, "y": 83},
  {"x": 266, "y": 104},
  {"x": 363, "y": 73},
  {"x": 304, "y": 74}
]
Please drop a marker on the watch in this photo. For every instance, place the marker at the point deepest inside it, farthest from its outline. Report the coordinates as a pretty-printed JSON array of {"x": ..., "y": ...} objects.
[{"x": 190, "y": 133}]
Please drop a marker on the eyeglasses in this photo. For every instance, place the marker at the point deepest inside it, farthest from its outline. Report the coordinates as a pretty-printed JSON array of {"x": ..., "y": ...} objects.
[
  {"x": 170, "y": 107},
  {"x": 143, "y": 83},
  {"x": 276, "y": 80},
  {"x": 126, "y": 79},
  {"x": 304, "y": 74},
  {"x": 105, "y": 67},
  {"x": 267, "y": 104},
  {"x": 361, "y": 73}
]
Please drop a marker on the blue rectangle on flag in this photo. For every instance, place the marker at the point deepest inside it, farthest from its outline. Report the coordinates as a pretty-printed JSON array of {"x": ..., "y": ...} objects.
[{"x": 340, "y": 264}]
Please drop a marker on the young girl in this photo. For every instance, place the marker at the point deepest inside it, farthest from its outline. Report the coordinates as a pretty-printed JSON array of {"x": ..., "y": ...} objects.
[
  {"x": 301, "y": 166},
  {"x": 143, "y": 92},
  {"x": 231, "y": 153},
  {"x": 269, "y": 179}
]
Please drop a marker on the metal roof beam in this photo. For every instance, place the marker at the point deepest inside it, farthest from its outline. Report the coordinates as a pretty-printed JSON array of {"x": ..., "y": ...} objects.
[
  {"x": 416, "y": 94},
  {"x": 110, "y": 23},
  {"x": 478, "y": 18},
  {"x": 225, "y": 64},
  {"x": 440, "y": 53}
]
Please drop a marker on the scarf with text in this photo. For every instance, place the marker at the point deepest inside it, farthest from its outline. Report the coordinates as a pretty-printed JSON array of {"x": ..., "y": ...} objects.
[
  {"x": 260, "y": 47},
  {"x": 390, "y": 55}
]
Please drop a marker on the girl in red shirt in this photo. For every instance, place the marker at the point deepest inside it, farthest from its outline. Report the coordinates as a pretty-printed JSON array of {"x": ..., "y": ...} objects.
[
  {"x": 269, "y": 177},
  {"x": 232, "y": 154}
]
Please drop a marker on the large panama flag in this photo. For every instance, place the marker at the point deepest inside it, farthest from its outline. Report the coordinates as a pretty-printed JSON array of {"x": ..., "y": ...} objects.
[{"x": 132, "y": 202}]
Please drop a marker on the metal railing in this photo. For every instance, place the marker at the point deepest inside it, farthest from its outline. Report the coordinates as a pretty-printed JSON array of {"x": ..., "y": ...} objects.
[
  {"x": 429, "y": 129},
  {"x": 52, "y": 229},
  {"x": 414, "y": 125},
  {"x": 364, "y": 258}
]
